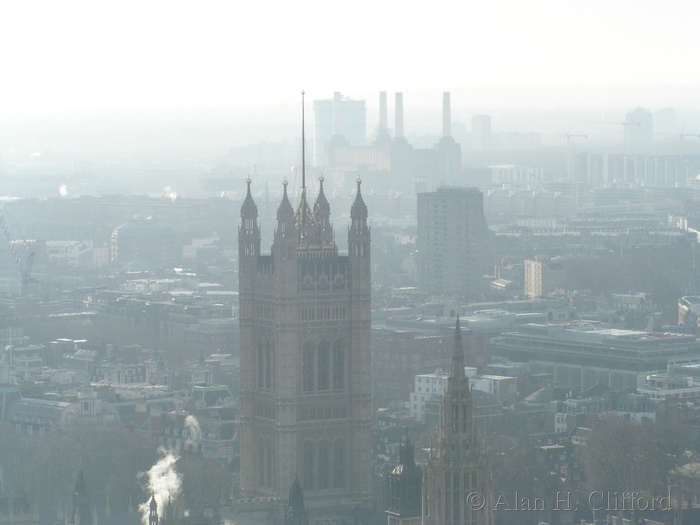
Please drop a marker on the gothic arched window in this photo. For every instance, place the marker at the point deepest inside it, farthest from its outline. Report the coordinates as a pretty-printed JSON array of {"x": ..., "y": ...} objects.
[
  {"x": 324, "y": 464},
  {"x": 323, "y": 366},
  {"x": 261, "y": 364},
  {"x": 338, "y": 365},
  {"x": 269, "y": 365},
  {"x": 339, "y": 463},
  {"x": 308, "y": 464},
  {"x": 307, "y": 368}
]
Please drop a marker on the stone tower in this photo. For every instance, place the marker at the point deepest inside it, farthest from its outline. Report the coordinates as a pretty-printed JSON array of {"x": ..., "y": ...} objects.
[
  {"x": 457, "y": 485},
  {"x": 81, "y": 502},
  {"x": 305, "y": 351}
]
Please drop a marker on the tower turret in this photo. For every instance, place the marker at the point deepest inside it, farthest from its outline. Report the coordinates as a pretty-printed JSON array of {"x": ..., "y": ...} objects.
[
  {"x": 358, "y": 236},
  {"x": 153, "y": 511},
  {"x": 285, "y": 234},
  {"x": 81, "y": 502},
  {"x": 249, "y": 231},
  {"x": 322, "y": 212}
]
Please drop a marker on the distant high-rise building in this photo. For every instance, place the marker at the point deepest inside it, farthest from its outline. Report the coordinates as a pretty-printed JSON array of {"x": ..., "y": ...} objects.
[
  {"x": 481, "y": 132},
  {"x": 639, "y": 127},
  {"x": 342, "y": 119},
  {"x": 543, "y": 276},
  {"x": 145, "y": 240},
  {"x": 457, "y": 467},
  {"x": 452, "y": 241},
  {"x": 666, "y": 124},
  {"x": 405, "y": 489},
  {"x": 305, "y": 355}
]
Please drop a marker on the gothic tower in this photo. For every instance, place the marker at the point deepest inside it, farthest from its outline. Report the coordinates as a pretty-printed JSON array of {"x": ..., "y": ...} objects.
[
  {"x": 81, "y": 502},
  {"x": 305, "y": 350},
  {"x": 457, "y": 481}
]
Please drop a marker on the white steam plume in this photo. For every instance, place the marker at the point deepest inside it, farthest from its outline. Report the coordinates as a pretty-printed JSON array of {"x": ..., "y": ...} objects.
[
  {"x": 163, "y": 481},
  {"x": 193, "y": 430}
]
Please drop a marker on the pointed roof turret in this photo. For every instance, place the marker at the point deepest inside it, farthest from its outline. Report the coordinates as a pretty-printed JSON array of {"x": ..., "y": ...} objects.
[
  {"x": 322, "y": 212},
  {"x": 249, "y": 208},
  {"x": 285, "y": 210},
  {"x": 321, "y": 206},
  {"x": 359, "y": 208}
]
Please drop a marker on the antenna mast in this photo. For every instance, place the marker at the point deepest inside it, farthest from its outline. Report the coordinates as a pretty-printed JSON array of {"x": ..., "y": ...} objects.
[{"x": 303, "y": 146}]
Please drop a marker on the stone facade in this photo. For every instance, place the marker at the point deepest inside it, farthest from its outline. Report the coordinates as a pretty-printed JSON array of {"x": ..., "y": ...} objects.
[{"x": 305, "y": 356}]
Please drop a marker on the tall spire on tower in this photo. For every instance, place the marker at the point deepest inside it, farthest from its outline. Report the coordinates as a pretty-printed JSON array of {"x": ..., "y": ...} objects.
[
  {"x": 457, "y": 353},
  {"x": 303, "y": 146},
  {"x": 305, "y": 222}
]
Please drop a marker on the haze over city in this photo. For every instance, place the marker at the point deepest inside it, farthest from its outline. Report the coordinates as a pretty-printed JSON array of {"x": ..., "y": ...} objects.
[{"x": 362, "y": 263}]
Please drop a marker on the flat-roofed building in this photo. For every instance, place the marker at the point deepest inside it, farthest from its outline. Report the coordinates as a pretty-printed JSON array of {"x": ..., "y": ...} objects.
[{"x": 579, "y": 355}]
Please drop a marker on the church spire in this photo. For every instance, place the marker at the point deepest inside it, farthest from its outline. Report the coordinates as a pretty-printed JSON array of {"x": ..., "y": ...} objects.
[
  {"x": 305, "y": 221},
  {"x": 457, "y": 353},
  {"x": 303, "y": 145}
]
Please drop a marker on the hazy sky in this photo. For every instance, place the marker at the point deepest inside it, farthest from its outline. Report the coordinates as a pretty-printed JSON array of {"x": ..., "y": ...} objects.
[{"x": 63, "y": 55}]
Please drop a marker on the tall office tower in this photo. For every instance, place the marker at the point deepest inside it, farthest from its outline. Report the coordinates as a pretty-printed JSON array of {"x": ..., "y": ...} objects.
[
  {"x": 339, "y": 117},
  {"x": 481, "y": 133},
  {"x": 452, "y": 241},
  {"x": 305, "y": 355},
  {"x": 457, "y": 468},
  {"x": 639, "y": 127},
  {"x": 543, "y": 276}
]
